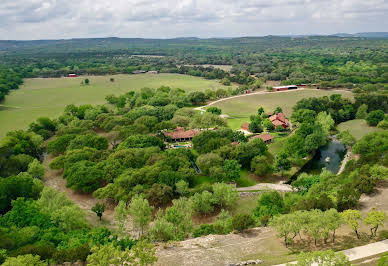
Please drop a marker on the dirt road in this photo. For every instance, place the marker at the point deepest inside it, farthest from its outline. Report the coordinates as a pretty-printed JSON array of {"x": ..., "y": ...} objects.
[
  {"x": 202, "y": 108},
  {"x": 267, "y": 186},
  {"x": 362, "y": 252}
]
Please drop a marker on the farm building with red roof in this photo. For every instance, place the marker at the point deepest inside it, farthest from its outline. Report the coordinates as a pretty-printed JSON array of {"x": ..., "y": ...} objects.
[
  {"x": 245, "y": 126},
  {"x": 279, "y": 119},
  {"x": 267, "y": 138},
  {"x": 180, "y": 134}
]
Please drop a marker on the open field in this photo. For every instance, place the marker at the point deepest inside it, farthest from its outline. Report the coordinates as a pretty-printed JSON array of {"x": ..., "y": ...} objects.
[
  {"x": 222, "y": 67},
  {"x": 358, "y": 128},
  {"x": 241, "y": 107},
  {"x": 48, "y": 96}
]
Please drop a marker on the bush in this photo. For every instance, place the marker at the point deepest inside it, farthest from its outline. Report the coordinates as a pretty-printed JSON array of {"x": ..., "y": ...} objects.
[
  {"x": 204, "y": 230},
  {"x": 375, "y": 117},
  {"x": 214, "y": 110},
  {"x": 79, "y": 253},
  {"x": 241, "y": 222},
  {"x": 60, "y": 144}
]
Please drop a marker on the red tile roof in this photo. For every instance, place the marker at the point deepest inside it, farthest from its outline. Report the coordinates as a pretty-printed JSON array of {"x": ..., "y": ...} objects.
[
  {"x": 245, "y": 126},
  {"x": 180, "y": 133},
  {"x": 279, "y": 119},
  {"x": 264, "y": 137}
]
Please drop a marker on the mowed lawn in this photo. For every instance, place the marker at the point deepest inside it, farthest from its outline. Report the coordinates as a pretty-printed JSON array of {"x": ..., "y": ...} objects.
[
  {"x": 241, "y": 107},
  {"x": 48, "y": 96},
  {"x": 358, "y": 128}
]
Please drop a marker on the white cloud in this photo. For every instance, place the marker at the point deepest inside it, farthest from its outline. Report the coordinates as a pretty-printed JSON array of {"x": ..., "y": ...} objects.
[{"x": 36, "y": 19}]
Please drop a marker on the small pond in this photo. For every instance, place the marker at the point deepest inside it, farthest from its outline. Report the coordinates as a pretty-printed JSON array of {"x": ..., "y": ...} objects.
[{"x": 334, "y": 150}]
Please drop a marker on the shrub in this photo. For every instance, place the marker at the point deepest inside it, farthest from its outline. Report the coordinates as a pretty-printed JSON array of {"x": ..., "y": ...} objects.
[
  {"x": 375, "y": 117},
  {"x": 204, "y": 230},
  {"x": 214, "y": 110},
  {"x": 241, "y": 222}
]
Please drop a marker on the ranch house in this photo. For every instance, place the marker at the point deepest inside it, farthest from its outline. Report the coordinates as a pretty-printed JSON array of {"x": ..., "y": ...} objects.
[
  {"x": 279, "y": 119},
  {"x": 180, "y": 134}
]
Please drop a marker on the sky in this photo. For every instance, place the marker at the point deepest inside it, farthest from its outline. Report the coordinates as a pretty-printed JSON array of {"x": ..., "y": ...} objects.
[{"x": 64, "y": 19}]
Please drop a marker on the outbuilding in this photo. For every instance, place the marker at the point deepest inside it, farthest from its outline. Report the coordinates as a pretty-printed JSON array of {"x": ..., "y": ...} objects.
[
  {"x": 285, "y": 88},
  {"x": 180, "y": 134},
  {"x": 267, "y": 138}
]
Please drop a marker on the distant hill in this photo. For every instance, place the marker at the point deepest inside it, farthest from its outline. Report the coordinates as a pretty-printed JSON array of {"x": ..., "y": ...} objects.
[
  {"x": 183, "y": 44},
  {"x": 363, "y": 35}
]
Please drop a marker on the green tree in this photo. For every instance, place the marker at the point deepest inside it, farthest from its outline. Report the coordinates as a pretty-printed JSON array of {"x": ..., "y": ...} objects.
[
  {"x": 333, "y": 220},
  {"x": 303, "y": 116},
  {"x": 269, "y": 204},
  {"x": 325, "y": 121},
  {"x": 99, "y": 209},
  {"x": 202, "y": 202},
  {"x": 141, "y": 212},
  {"x": 159, "y": 194},
  {"x": 282, "y": 163},
  {"x": 70, "y": 218},
  {"x": 315, "y": 224},
  {"x": 278, "y": 110},
  {"x": 353, "y": 219},
  {"x": 60, "y": 144},
  {"x": 255, "y": 127},
  {"x": 241, "y": 222},
  {"x": 223, "y": 223},
  {"x": 383, "y": 124},
  {"x": 375, "y": 219},
  {"x": 35, "y": 169},
  {"x": 182, "y": 188},
  {"x": 347, "y": 138},
  {"x": 162, "y": 230},
  {"x": 84, "y": 176},
  {"x": 24, "y": 260},
  {"x": 362, "y": 111},
  {"x": 260, "y": 111},
  {"x": 179, "y": 215},
  {"x": 267, "y": 124},
  {"x": 214, "y": 110},
  {"x": 322, "y": 258},
  {"x": 284, "y": 226},
  {"x": 262, "y": 165},
  {"x": 86, "y": 81},
  {"x": 207, "y": 161},
  {"x": 232, "y": 170},
  {"x": 224, "y": 195},
  {"x": 120, "y": 215},
  {"x": 375, "y": 117}
]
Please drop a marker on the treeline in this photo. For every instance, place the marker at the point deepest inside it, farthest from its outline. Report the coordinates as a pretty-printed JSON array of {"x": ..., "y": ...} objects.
[
  {"x": 330, "y": 61},
  {"x": 9, "y": 80}
]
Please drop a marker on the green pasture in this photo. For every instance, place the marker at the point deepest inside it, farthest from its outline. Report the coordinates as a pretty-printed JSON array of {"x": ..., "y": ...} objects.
[
  {"x": 358, "y": 128},
  {"x": 48, "y": 96},
  {"x": 243, "y": 107}
]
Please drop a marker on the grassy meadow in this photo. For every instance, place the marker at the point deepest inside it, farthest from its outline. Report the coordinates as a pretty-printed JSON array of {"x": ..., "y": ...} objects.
[
  {"x": 358, "y": 128},
  {"x": 48, "y": 96},
  {"x": 243, "y": 107}
]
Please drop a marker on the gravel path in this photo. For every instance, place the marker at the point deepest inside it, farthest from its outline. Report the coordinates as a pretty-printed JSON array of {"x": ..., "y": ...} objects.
[
  {"x": 267, "y": 186},
  {"x": 362, "y": 252},
  {"x": 344, "y": 161},
  {"x": 202, "y": 108}
]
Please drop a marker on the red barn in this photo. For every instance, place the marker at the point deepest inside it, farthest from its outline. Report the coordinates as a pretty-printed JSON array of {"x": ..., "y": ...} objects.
[{"x": 285, "y": 88}]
